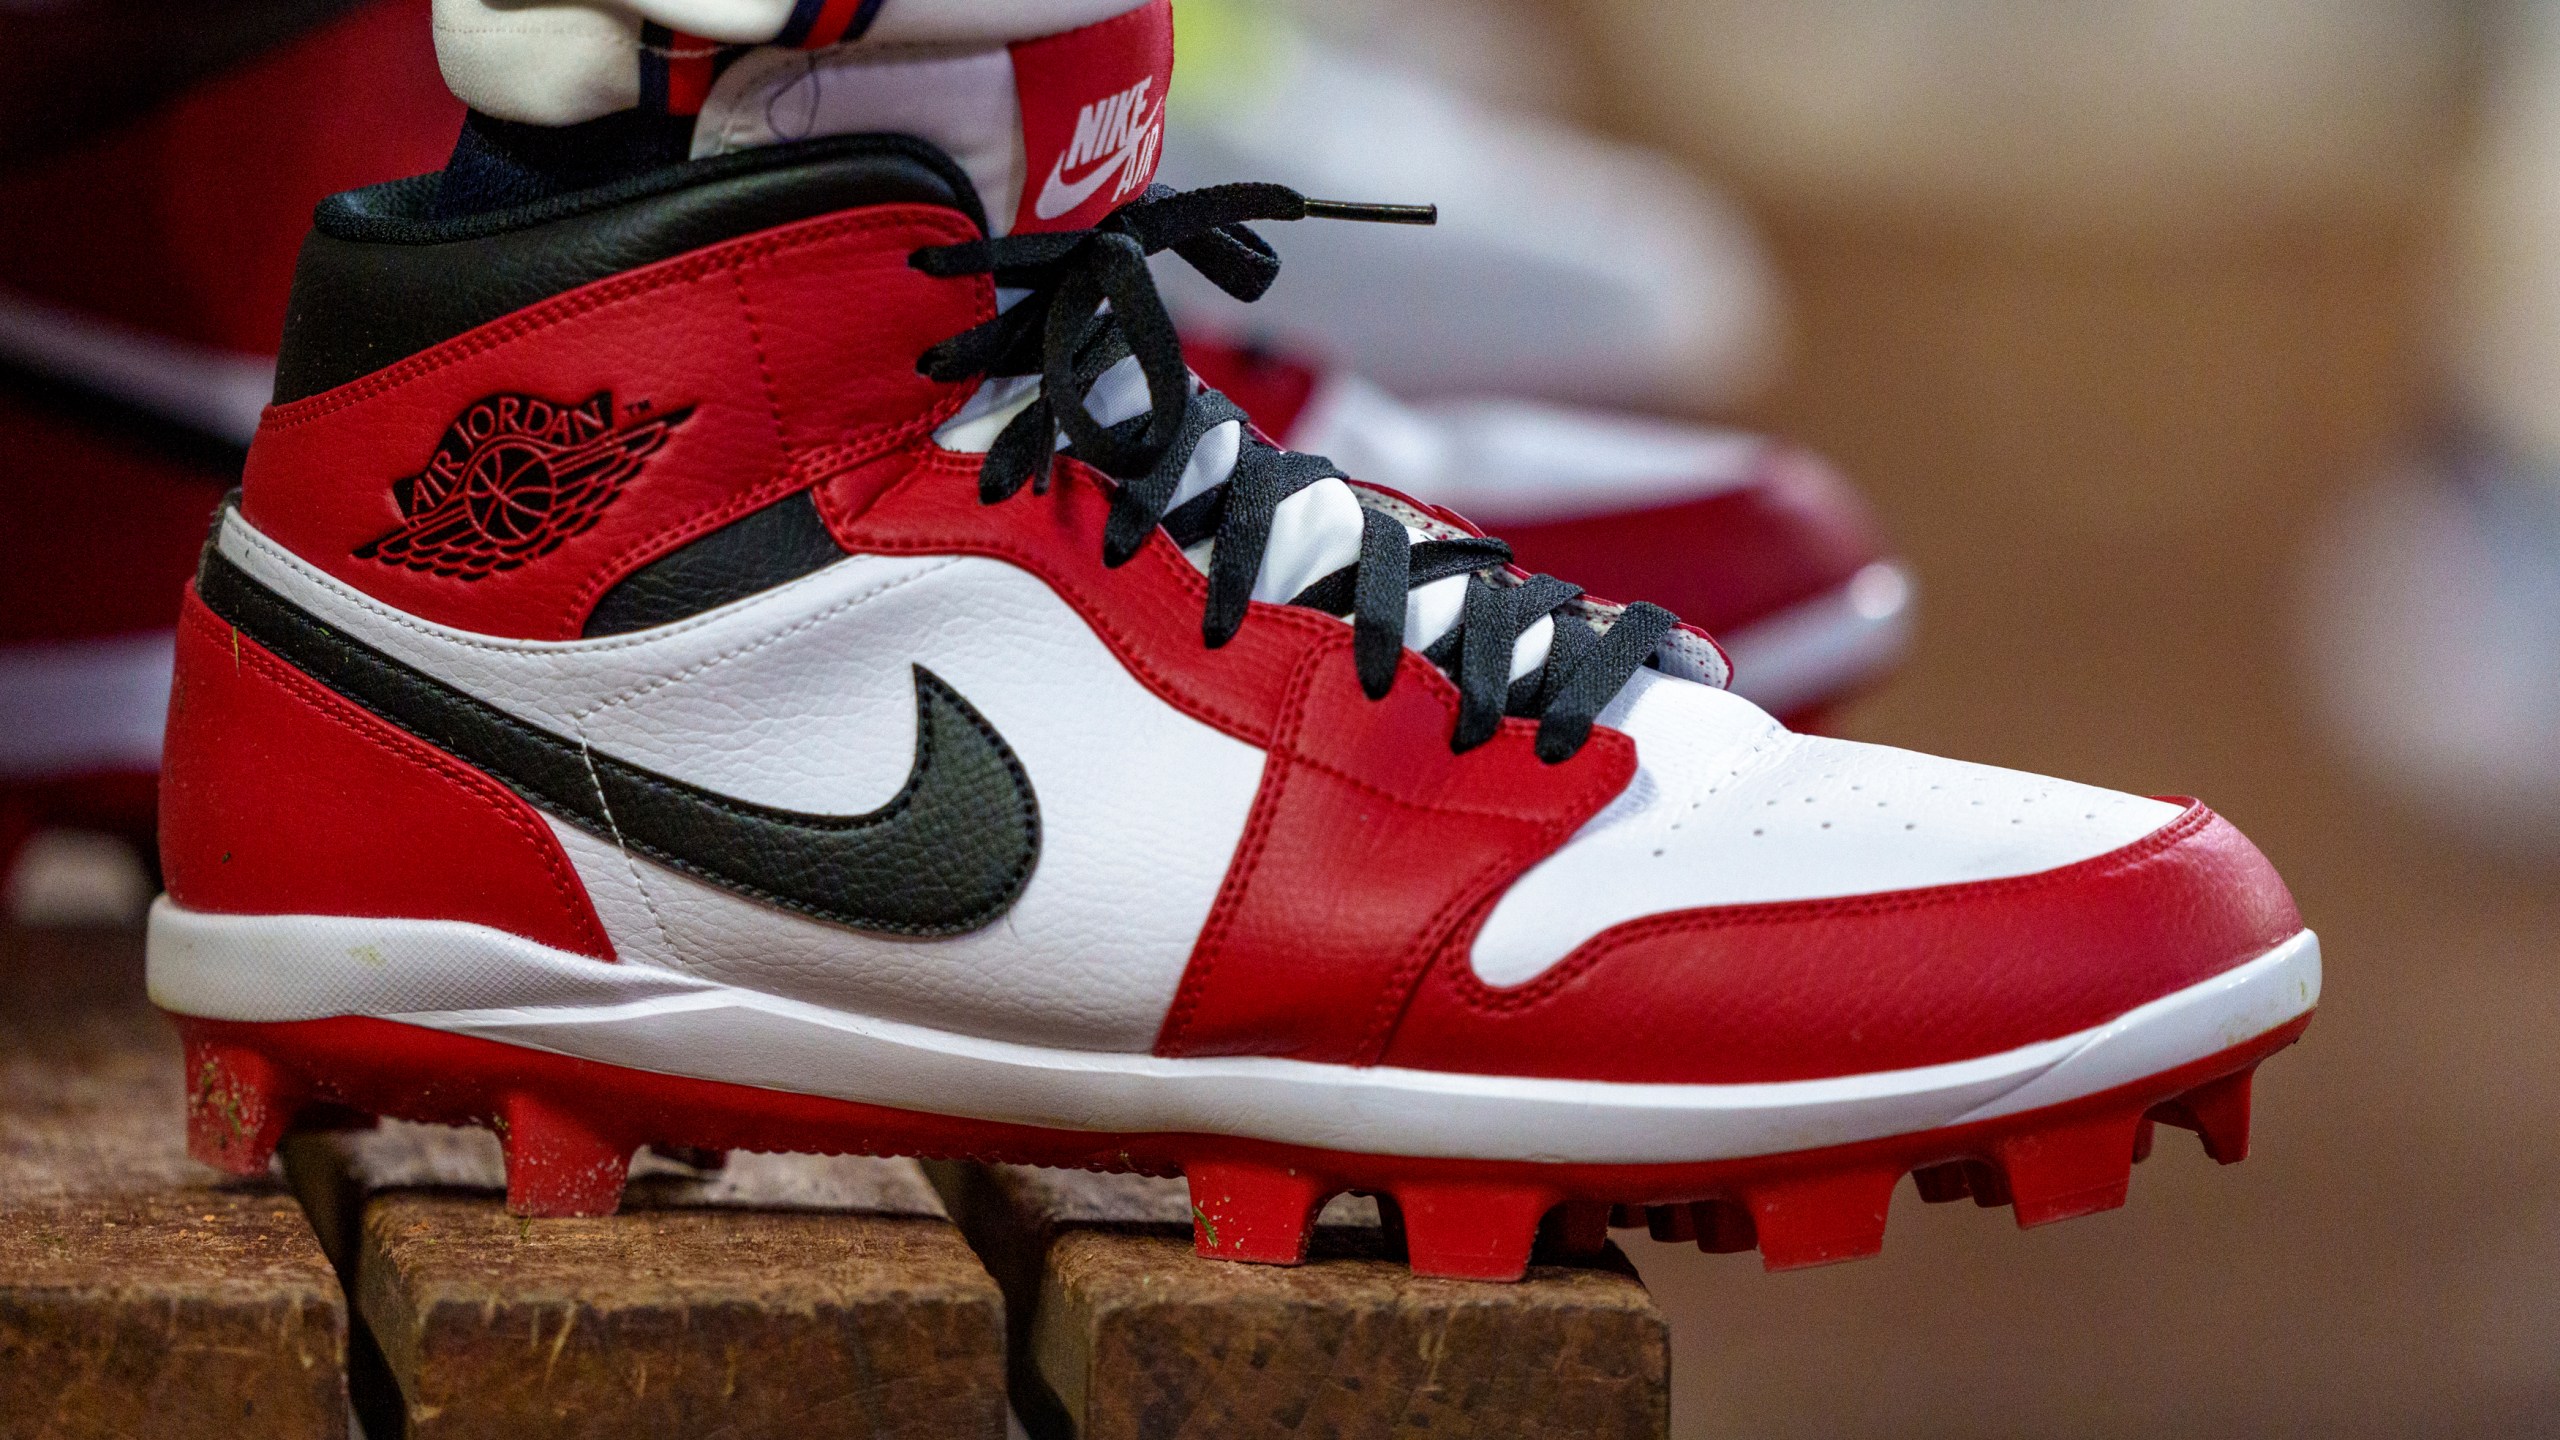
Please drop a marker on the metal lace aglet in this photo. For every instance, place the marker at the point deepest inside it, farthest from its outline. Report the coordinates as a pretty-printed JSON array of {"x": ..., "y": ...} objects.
[{"x": 1375, "y": 214}]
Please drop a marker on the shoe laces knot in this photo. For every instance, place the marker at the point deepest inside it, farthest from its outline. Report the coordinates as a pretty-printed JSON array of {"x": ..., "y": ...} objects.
[{"x": 1088, "y": 301}]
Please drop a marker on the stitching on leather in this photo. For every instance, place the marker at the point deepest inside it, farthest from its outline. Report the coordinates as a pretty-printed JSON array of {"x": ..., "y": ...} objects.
[
  {"x": 629, "y": 694},
  {"x": 307, "y": 573},
  {"x": 764, "y": 362},
  {"x": 1396, "y": 996},
  {"x": 1435, "y": 807},
  {"x": 508, "y": 806},
  {"x": 1242, "y": 871},
  {"x": 605, "y": 294},
  {"x": 1132, "y": 656},
  {"x": 618, "y": 567},
  {"x": 806, "y": 470},
  {"x": 1158, "y": 551},
  {"x": 1438, "y": 940},
  {"x": 639, "y": 882},
  {"x": 1475, "y": 993}
]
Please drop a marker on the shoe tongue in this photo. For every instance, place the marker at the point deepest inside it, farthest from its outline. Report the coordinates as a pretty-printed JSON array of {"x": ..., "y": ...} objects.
[
  {"x": 1054, "y": 130},
  {"x": 1313, "y": 533}
]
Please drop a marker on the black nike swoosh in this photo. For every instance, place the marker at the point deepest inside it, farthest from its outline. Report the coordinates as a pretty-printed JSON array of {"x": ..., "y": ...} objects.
[{"x": 950, "y": 853}]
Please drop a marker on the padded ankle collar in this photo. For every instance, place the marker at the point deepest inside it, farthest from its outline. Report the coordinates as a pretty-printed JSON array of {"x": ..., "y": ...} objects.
[{"x": 379, "y": 280}]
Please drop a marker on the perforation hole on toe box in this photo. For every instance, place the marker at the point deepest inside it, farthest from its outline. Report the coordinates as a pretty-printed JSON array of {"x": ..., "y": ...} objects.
[{"x": 1724, "y": 813}]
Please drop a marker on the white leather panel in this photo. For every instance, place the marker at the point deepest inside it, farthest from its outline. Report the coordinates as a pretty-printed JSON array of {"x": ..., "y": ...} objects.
[
  {"x": 1727, "y": 807},
  {"x": 803, "y": 698}
]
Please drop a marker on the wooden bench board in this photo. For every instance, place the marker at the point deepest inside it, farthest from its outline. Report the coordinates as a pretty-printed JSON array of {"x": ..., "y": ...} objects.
[
  {"x": 1120, "y": 1330},
  {"x": 140, "y": 1293},
  {"x": 783, "y": 1295}
]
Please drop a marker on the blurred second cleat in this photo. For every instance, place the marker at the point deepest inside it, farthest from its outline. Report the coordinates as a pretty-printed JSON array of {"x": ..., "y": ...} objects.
[
  {"x": 1762, "y": 544},
  {"x": 1564, "y": 266}
]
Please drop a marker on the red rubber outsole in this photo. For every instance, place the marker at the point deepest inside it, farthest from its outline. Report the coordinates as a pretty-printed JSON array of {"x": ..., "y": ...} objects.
[{"x": 570, "y": 1127}]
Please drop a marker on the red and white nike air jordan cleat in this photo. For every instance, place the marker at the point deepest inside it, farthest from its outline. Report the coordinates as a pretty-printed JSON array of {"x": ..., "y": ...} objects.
[
  {"x": 145, "y": 312},
  {"x": 138, "y": 316},
  {"x": 1759, "y": 543},
  {"x": 663, "y": 684}
]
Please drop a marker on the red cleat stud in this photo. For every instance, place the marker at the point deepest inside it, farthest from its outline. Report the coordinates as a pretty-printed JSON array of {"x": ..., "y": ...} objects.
[
  {"x": 1471, "y": 1231},
  {"x": 1942, "y": 1184},
  {"x": 693, "y": 1157},
  {"x": 2069, "y": 1169},
  {"x": 1977, "y": 1180},
  {"x": 1582, "y": 1228},
  {"x": 1260, "y": 1213},
  {"x": 558, "y": 1166},
  {"x": 1990, "y": 1187},
  {"x": 2142, "y": 1137},
  {"x": 1670, "y": 1223},
  {"x": 2217, "y": 1111},
  {"x": 1724, "y": 1228},
  {"x": 1820, "y": 1219},
  {"x": 239, "y": 1105}
]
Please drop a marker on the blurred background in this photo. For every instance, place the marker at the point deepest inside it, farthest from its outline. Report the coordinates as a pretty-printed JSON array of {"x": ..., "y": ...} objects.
[
  {"x": 2202, "y": 359},
  {"x": 2202, "y": 362}
]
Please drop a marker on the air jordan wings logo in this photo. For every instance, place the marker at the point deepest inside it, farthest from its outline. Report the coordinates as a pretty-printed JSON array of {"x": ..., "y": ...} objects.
[
  {"x": 514, "y": 477},
  {"x": 1115, "y": 138}
]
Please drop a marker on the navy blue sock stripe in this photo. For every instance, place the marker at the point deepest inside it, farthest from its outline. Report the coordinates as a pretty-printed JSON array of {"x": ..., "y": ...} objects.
[
  {"x": 806, "y": 14},
  {"x": 803, "y": 15},
  {"x": 655, "y": 42}
]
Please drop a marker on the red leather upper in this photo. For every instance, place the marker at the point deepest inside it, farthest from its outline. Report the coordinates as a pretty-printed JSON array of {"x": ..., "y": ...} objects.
[
  {"x": 1816, "y": 988},
  {"x": 1092, "y": 106},
  {"x": 185, "y": 222},
  {"x": 795, "y": 349},
  {"x": 1369, "y": 843},
  {"x": 279, "y": 796},
  {"x": 1372, "y": 852}
]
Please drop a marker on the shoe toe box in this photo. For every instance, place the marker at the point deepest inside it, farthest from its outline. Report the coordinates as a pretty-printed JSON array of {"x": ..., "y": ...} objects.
[{"x": 1765, "y": 907}]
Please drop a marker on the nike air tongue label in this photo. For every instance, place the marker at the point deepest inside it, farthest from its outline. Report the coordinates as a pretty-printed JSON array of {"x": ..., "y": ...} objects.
[
  {"x": 1115, "y": 139},
  {"x": 1092, "y": 105},
  {"x": 948, "y": 854}
]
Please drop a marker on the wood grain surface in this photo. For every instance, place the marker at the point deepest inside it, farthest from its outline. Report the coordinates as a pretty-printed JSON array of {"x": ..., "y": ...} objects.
[
  {"x": 1120, "y": 1331},
  {"x": 784, "y": 1296},
  {"x": 140, "y": 1293}
]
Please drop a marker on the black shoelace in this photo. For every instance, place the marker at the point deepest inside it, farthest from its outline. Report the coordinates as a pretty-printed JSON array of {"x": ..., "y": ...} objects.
[{"x": 1091, "y": 302}]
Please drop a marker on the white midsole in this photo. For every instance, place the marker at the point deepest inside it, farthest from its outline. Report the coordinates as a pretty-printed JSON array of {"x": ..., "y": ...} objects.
[{"x": 472, "y": 980}]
